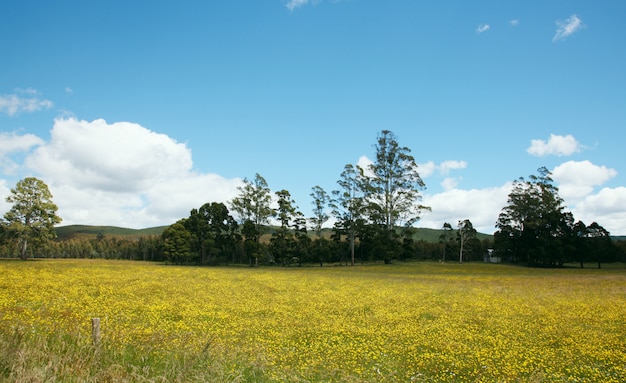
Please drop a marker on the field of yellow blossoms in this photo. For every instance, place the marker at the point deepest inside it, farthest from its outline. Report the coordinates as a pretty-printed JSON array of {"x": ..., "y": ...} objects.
[{"x": 413, "y": 322}]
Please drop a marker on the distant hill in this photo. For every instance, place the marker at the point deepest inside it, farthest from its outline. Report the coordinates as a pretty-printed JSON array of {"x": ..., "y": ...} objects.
[
  {"x": 64, "y": 232},
  {"x": 70, "y": 231}
]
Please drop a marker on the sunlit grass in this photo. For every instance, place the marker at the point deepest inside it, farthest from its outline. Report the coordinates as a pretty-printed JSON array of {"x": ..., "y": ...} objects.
[{"x": 417, "y": 322}]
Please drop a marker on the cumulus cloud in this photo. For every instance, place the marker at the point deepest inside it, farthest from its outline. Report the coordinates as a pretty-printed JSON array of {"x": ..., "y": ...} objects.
[
  {"x": 482, "y": 28},
  {"x": 481, "y": 206},
  {"x": 557, "y": 145},
  {"x": 577, "y": 179},
  {"x": 514, "y": 22},
  {"x": 567, "y": 27},
  {"x": 122, "y": 174},
  {"x": 14, "y": 143},
  {"x": 23, "y": 101},
  {"x": 607, "y": 208}
]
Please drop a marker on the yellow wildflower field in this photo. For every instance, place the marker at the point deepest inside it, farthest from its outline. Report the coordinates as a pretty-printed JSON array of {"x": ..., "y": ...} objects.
[{"x": 413, "y": 322}]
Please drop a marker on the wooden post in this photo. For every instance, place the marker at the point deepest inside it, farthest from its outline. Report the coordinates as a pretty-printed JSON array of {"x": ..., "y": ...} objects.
[{"x": 95, "y": 331}]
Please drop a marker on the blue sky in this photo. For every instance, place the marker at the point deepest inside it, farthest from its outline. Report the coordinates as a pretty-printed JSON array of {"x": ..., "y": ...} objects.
[{"x": 135, "y": 112}]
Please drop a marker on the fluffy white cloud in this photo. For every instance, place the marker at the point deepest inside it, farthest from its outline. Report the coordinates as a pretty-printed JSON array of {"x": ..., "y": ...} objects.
[
  {"x": 514, "y": 22},
  {"x": 607, "y": 208},
  {"x": 427, "y": 169},
  {"x": 567, "y": 27},
  {"x": 120, "y": 157},
  {"x": 481, "y": 206},
  {"x": 11, "y": 143},
  {"x": 24, "y": 101},
  {"x": 577, "y": 179},
  {"x": 556, "y": 145},
  {"x": 482, "y": 28},
  {"x": 122, "y": 174}
]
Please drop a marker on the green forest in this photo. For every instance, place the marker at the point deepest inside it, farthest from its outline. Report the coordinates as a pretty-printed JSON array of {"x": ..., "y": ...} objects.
[{"x": 374, "y": 213}]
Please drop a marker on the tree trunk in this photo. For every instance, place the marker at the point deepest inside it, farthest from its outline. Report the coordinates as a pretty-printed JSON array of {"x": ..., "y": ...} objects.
[
  {"x": 23, "y": 246},
  {"x": 351, "y": 249}
]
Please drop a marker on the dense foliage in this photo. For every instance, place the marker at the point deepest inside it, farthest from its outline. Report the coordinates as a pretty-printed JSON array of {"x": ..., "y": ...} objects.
[
  {"x": 32, "y": 217},
  {"x": 535, "y": 228}
]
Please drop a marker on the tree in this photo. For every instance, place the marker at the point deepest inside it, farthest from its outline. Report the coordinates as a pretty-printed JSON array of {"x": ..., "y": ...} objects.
[
  {"x": 465, "y": 234},
  {"x": 33, "y": 214},
  {"x": 445, "y": 238},
  {"x": 253, "y": 203},
  {"x": 600, "y": 243},
  {"x": 348, "y": 204},
  {"x": 176, "y": 243},
  {"x": 393, "y": 189},
  {"x": 213, "y": 231},
  {"x": 253, "y": 208},
  {"x": 534, "y": 225},
  {"x": 321, "y": 199},
  {"x": 282, "y": 241},
  {"x": 580, "y": 243}
]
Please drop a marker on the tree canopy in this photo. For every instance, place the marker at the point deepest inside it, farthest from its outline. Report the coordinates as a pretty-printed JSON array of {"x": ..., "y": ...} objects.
[{"x": 32, "y": 216}]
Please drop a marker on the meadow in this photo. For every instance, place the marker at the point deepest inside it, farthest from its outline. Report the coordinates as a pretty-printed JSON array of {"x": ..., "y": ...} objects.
[{"x": 406, "y": 322}]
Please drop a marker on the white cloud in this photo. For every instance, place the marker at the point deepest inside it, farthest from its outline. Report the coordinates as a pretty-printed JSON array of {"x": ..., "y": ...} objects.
[
  {"x": 607, "y": 208},
  {"x": 5, "y": 190},
  {"x": 556, "y": 145},
  {"x": 426, "y": 169},
  {"x": 577, "y": 179},
  {"x": 429, "y": 168},
  {"x": 23, "y": 101},
  {"x": 12, "y": 143},
  {"x": 364, "y": 163},
  {"x": 122, "y": 174},
  {"x": 567, "y": 27},
  {"x": 480, "y": 206},
  {"x": 293, "y": 4},
  {"x": 482, "y": 28},
  {"x": 449, "y": 183},
  {"x": 514, "y": 22},
  {"x": 446, "y": 166}
]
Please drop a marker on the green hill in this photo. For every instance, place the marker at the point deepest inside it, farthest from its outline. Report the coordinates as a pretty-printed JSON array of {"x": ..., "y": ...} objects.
[{"x": 70, "y": 231}]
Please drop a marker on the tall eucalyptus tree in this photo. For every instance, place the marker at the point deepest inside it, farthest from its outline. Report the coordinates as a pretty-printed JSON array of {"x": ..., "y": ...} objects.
[
  {"x": 348, "y": 204},
  {"x": 393, "y": 188},
  {"x": 253, "y": 204}
]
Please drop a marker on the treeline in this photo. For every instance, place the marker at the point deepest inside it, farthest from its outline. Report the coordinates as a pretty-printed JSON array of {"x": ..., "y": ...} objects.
[
  {"x": 536, "y": 229},
  {"x": 330, "y": 248},
  {"x": 373, "y": 210}
]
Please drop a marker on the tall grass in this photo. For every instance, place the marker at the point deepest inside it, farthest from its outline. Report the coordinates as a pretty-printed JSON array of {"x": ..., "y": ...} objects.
[{"x": 418, "y": 322}]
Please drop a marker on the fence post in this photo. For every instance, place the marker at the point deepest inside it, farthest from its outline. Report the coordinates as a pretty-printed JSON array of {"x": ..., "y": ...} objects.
[{"x": 95, "y": 331}]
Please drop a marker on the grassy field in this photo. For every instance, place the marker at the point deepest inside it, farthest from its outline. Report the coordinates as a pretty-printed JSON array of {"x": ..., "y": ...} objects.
[{"x": 414, "y": 322}]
